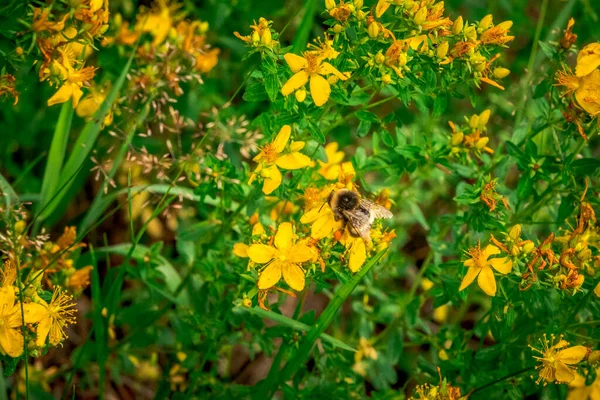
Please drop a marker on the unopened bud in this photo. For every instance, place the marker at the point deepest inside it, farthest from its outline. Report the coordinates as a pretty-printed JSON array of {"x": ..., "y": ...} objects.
[
  {"x": 442, "y": 50},
  {"x": 528, "y": 247},
  {"x": 247, "y": 302},
  {"x": 420, "y": 16},
  {"x": 360, "y": 15},
  {"x": 329, "y": 4},
  {"x": 373, "y": 30},
  {"x": 386, "y": 79},
  {"x": 358, "y": 3},
  {"x": 471, "y": 32},
  {"x": 594, "y": 357},
  {"x": 337, "y": 28},
  {"x": 515, "y": 232},
  {"x": 457, "y": 138},
  {"x": 515, "y": 250},
  {"x": 265, "y": 38},
  {"x": 332, "y": 79},
  {"x": 504, "y": 26},
  {"x": 457, "y": 26},
  {"x": 402, "y": 59},
  {"x": 20, "y": 228},
  {"x": 474, "y": 121},
  {"x": 485, "y": 23},
  {"x": 484, "y": 117},
  {"x": 379, "y": 58},
  {"x": 500, "y": 72},
  {"x": 300, "y": 95},
  {"x": 255, "y": 37},
  {"x": 481, "y": 143}
]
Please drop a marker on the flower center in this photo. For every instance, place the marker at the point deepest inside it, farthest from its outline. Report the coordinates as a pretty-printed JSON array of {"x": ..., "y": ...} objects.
[{"x": 270, "y": 153}]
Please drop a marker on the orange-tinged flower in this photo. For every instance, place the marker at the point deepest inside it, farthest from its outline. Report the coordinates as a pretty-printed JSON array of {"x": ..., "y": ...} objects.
[
  {"x": 497, "y": 34},
  {"x": 41, "y": 23},
  {"x": 480, "y": 266},
  {"x": 557, "y": 361},
  {"x": 207, "y": 60},
  {"x": 330, "y": 169},
  {"x": 588, "y": 60},
  {"x": 310, "y": 67},
  {"x": 581, "y": 391},
  {"x": 569, "y": 38},
  {"x": 261, "y": 34},
  {"x": 158, "y": 21},
  {"x": 282, "y": 259},
  {"x": 270, "y": 159},
  {"x": 80, "y": 279}
]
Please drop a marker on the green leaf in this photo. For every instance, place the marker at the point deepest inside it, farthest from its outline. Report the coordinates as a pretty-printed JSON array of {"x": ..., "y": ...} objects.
[
  {"x": 272, "y": 86},
  {"x": 255, "y": 91},
  {"x": 364, "y": 115},
  {"x": 440, "y": 103},
  {"x": 293, "y": 324},
  {"x": 548, "y": 49},
  {"x": 315, "y": 132},
  {"x": 363, "y": 128},
  {"x": 386, "y": 138},
  {"x": 303, "y": 32},
  {"x": 525, "y": 186},
  {"x": 10, "y": 196}
]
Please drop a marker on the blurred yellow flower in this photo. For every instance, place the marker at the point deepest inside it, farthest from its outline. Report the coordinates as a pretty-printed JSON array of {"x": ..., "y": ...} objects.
[
  {"x": 270, "y": 159},
  {"x": 158, "y": 21},
  {"x": 261, "y": 34},
  {"x": 41, "y": 23},
  {"x": 497, "y": 34},
  {"x": 79, "y": 279},
  {"x": 557, "y": 361},
  {"x": 282, "y": 259},
  {"x": 330, "y": 169},
  {"x": 310, "y": 68},
  {"x": 51, "y": 317},
  {"x": 588, "y": 59},
  {"x": 480, "y": 266},
  {"x": 207, "y": 60},
  {"x": 88, "y": 106},
  {"x": 586, "y": 89},
  {"x": 581, "y": 391}
]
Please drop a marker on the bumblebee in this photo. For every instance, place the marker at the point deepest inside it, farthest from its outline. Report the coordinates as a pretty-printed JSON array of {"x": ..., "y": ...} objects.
[{"x": 357, "y": 213}]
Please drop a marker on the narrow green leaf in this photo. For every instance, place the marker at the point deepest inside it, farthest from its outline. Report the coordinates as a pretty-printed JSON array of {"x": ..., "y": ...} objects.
[
  {"x": 272, "y": 86},
  {"x": 10, "y": 196},
  {"x": 316, "y": 132},
  {"x": 293, "y": 324},
  {"x": 56, "y": 156},
  {"x": 302, "y": 35},
  {"x": 85, "y": 142}
]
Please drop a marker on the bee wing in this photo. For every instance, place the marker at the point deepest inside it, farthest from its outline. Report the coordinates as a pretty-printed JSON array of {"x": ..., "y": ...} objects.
[
  {"x": 376, "y": 210},
  {"x": 360, "y": 224}
]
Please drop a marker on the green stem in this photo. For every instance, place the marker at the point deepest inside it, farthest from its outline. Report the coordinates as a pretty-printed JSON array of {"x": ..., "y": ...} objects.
[{"x": 511, "y": 375}]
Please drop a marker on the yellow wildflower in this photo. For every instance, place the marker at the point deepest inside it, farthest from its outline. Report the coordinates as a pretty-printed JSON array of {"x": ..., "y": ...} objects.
[
  {"x": 480, "y": 266},
  {"x": 88, "y": 106},
  {"x": 207, "y": 60},
  {"x": 41, "y": 23},
  {"x": 497, "y": 34},
  {"x": 365, "y": 350},
  {"x": 73, "y": 80},
  {"x": 270, "y": 158},
  {"x": 310, "y": 67},
  {"x": 588, "y": 60},
  {"x": 282, "y": 259},
  {"x": 157, "y": 22},
  {"x": 330, "y": 169},
  {"x": 79, "y": 279},
  {"x": 557, "y": 361},
  {"x": 261, "y": 34},
  {"x": 321, "y": 216},
  {"x": 381, "y": 7},
  {"x": 356, "y": 250},
  {"x": 581, "y": 391},
  {"x": 586, "y": 89},
  {"x": 51, "y": 317},
  {"x": 11, "y": 338}
]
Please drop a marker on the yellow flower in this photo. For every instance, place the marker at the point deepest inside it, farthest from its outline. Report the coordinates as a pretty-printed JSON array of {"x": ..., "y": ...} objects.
[
  {"x": 497, "y": 34},
  {"x": 480, "y": 267},
  {"x": 261, "y": 34},
  {"x": 88, "y": 106},
  {"x": 157, "y": 22},
  {"x": 206, "y": 61},
  {"x": 365, "y": 350},
  {"x": 581, "y": 391},
  {"x": 557, "y": 361},
  {"x": 282, "y": 259},
  {"x": 588, "y": 59},
  {"x": 11, "y": 338},
  {"x": 51, "y": 318},
  {"x": 74, "y": 80},
  {"x": 330, "y": 169},
  {"x": 7, "y": 86},
  {"x": 323, "y": 221},
  {"x": 80, "y": 279},
  {"x": 585, "y": 88},
  {"x": 356, "y": 249},
  {"x": 41, "y": 23},
  {"x": 270, "y": 158},
  {"x": 310, "y": 67}
]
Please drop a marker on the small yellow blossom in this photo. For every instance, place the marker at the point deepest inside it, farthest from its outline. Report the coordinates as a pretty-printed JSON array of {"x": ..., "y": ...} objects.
[
  {"x": 310, "y": 67},
  {"x": 480, "y": 266},
  {"x": 365, "y": 351},
  {"x": 270, "y": 159},
  {"x": 73, "y": 80},
  {"x": 330, "y": 169},
  {"x": 282, "y": 259},
  {"x": 88, "y": 106},
  {"x": 52, "y": 318},
  {"x": 581, "y": 391},
  {"x": 558, "y": 360},
  {"x": 158, "y": 21},
  {"x": 41, "y": 23},
  {"x": 207, "y": 60},
  {"x": 80, "y": 279}
]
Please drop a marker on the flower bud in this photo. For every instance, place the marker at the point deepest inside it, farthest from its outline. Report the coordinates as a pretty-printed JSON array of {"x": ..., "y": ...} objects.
[
  {"x": 421, "y": 16},
  {"x": 265, "y": 38},
  {"x": 471, "y": 32},
  {"x": 485, "y": 23},
  {"x": 332, "y": 79},
  {"x": 455, "y": 150},
  {"x": 442, "y": 50},
  {"x": 457, "y": 138},
  {"x": 481, "y": 143},
  {"x": 443, "y": 355},
  {"x": 594, "y": 357},
  {"x": 337, "y": 28},
  {"x": 457, "y": 26},
  {"x": 484, "y": 117},
  {"x": 373, "y": 30},
  {"x": 515, "y": 250},
  {"x": 402, "y": 59},
  {"x": 329, "y": 4},
  {"x": 19, "y": 50},
  {"x": 258, "y": 229},
  {"x": 358, "y": 3},
  {"x": 515, "y": 232},
  {"x": 379, "y": 58},
  {"x": 253, "y": 219},
  {"x": 360, "y": 15},
  {"x": 500, "y": 72},
  {"x": 297, "y": 146},
  {"x": 474, "y": 121},
  {"x": 505, "y": 26},
  {"x": 300, "y": 95},
  {"x": 409, "y": 4},
  {"x": 351, "y": 7},
  {"x": 247, "y": 302},
  {"x": 20, "y": 227},
  {"x": 528, "y": 247},
  {"x": 255, "y": 37},
  {"x": 386, "y": 79}
]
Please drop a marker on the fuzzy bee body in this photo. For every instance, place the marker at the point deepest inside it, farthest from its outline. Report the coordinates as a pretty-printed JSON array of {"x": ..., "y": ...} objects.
[{"x": 358, "y": 214}]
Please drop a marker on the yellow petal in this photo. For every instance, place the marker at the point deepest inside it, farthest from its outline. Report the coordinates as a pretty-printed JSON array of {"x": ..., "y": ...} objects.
[
  {"x": 272, "y": 180},
  {"x": 282, "y": 138},
  {"x": 487, "y": 282},
  {"x": 283, "y": 237},
  {"x": 261, "y": 253},
  {"x": 240, "y": 250},
  {"x": 57, "y": 333},
  {"x": 295, "y": 62},
  {"x": 88, "y": 106},
  {"x": 11, "y": 342},
  {"x": 490, "y": 250},
  {"x": 35, "y": 312},
  {"x": 323, "y": 226},
  {"x": 299, "y": 253},
  {"x": 63, "y": 94},
  {"x": 311, "y": 215},
  {"x": 270, "y": 276},
  {"x": 294, "y": 276},
  {"x": 319, "y": 89},
  {"x": 472, "y": 273},
  {"x": 293, "y": 160},
  {"x": 77, "y": 93},
  {"x": 502, "y": 265},
  {"x": 295, "y": 82},
  {"x": 327, "y": 69},
  {"x": 358, "y": 255},
  {"x": 564, "y": 373},
  {"x": 382, "y": 6},
  {"x": 258, "y": 229},
  {"x": 597, "y": 290},
  {"x": 572, "y": 355},
  {"x": 588, "y": 59}
]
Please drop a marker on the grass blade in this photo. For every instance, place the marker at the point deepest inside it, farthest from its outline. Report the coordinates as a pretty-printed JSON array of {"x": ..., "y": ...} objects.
[
  {"x": 295, "y": 325},
  {"x": 85, "y": 142},
  {"x": 9, "y": 194},
  {"x": 301, "y": 37},
  {"x": 56, "y": 156}
]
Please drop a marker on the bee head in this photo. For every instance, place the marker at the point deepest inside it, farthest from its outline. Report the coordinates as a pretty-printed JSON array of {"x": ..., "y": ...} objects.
[{"x": 347, "y": 199}]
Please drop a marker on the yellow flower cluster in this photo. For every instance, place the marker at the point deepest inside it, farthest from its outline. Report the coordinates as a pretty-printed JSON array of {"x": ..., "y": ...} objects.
[
  {"x": 65, "y": 39},
  {"x": 471, "y": 137},
  {"x": 443, "y": 391},
  {"x": 39, "y": 321}
]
